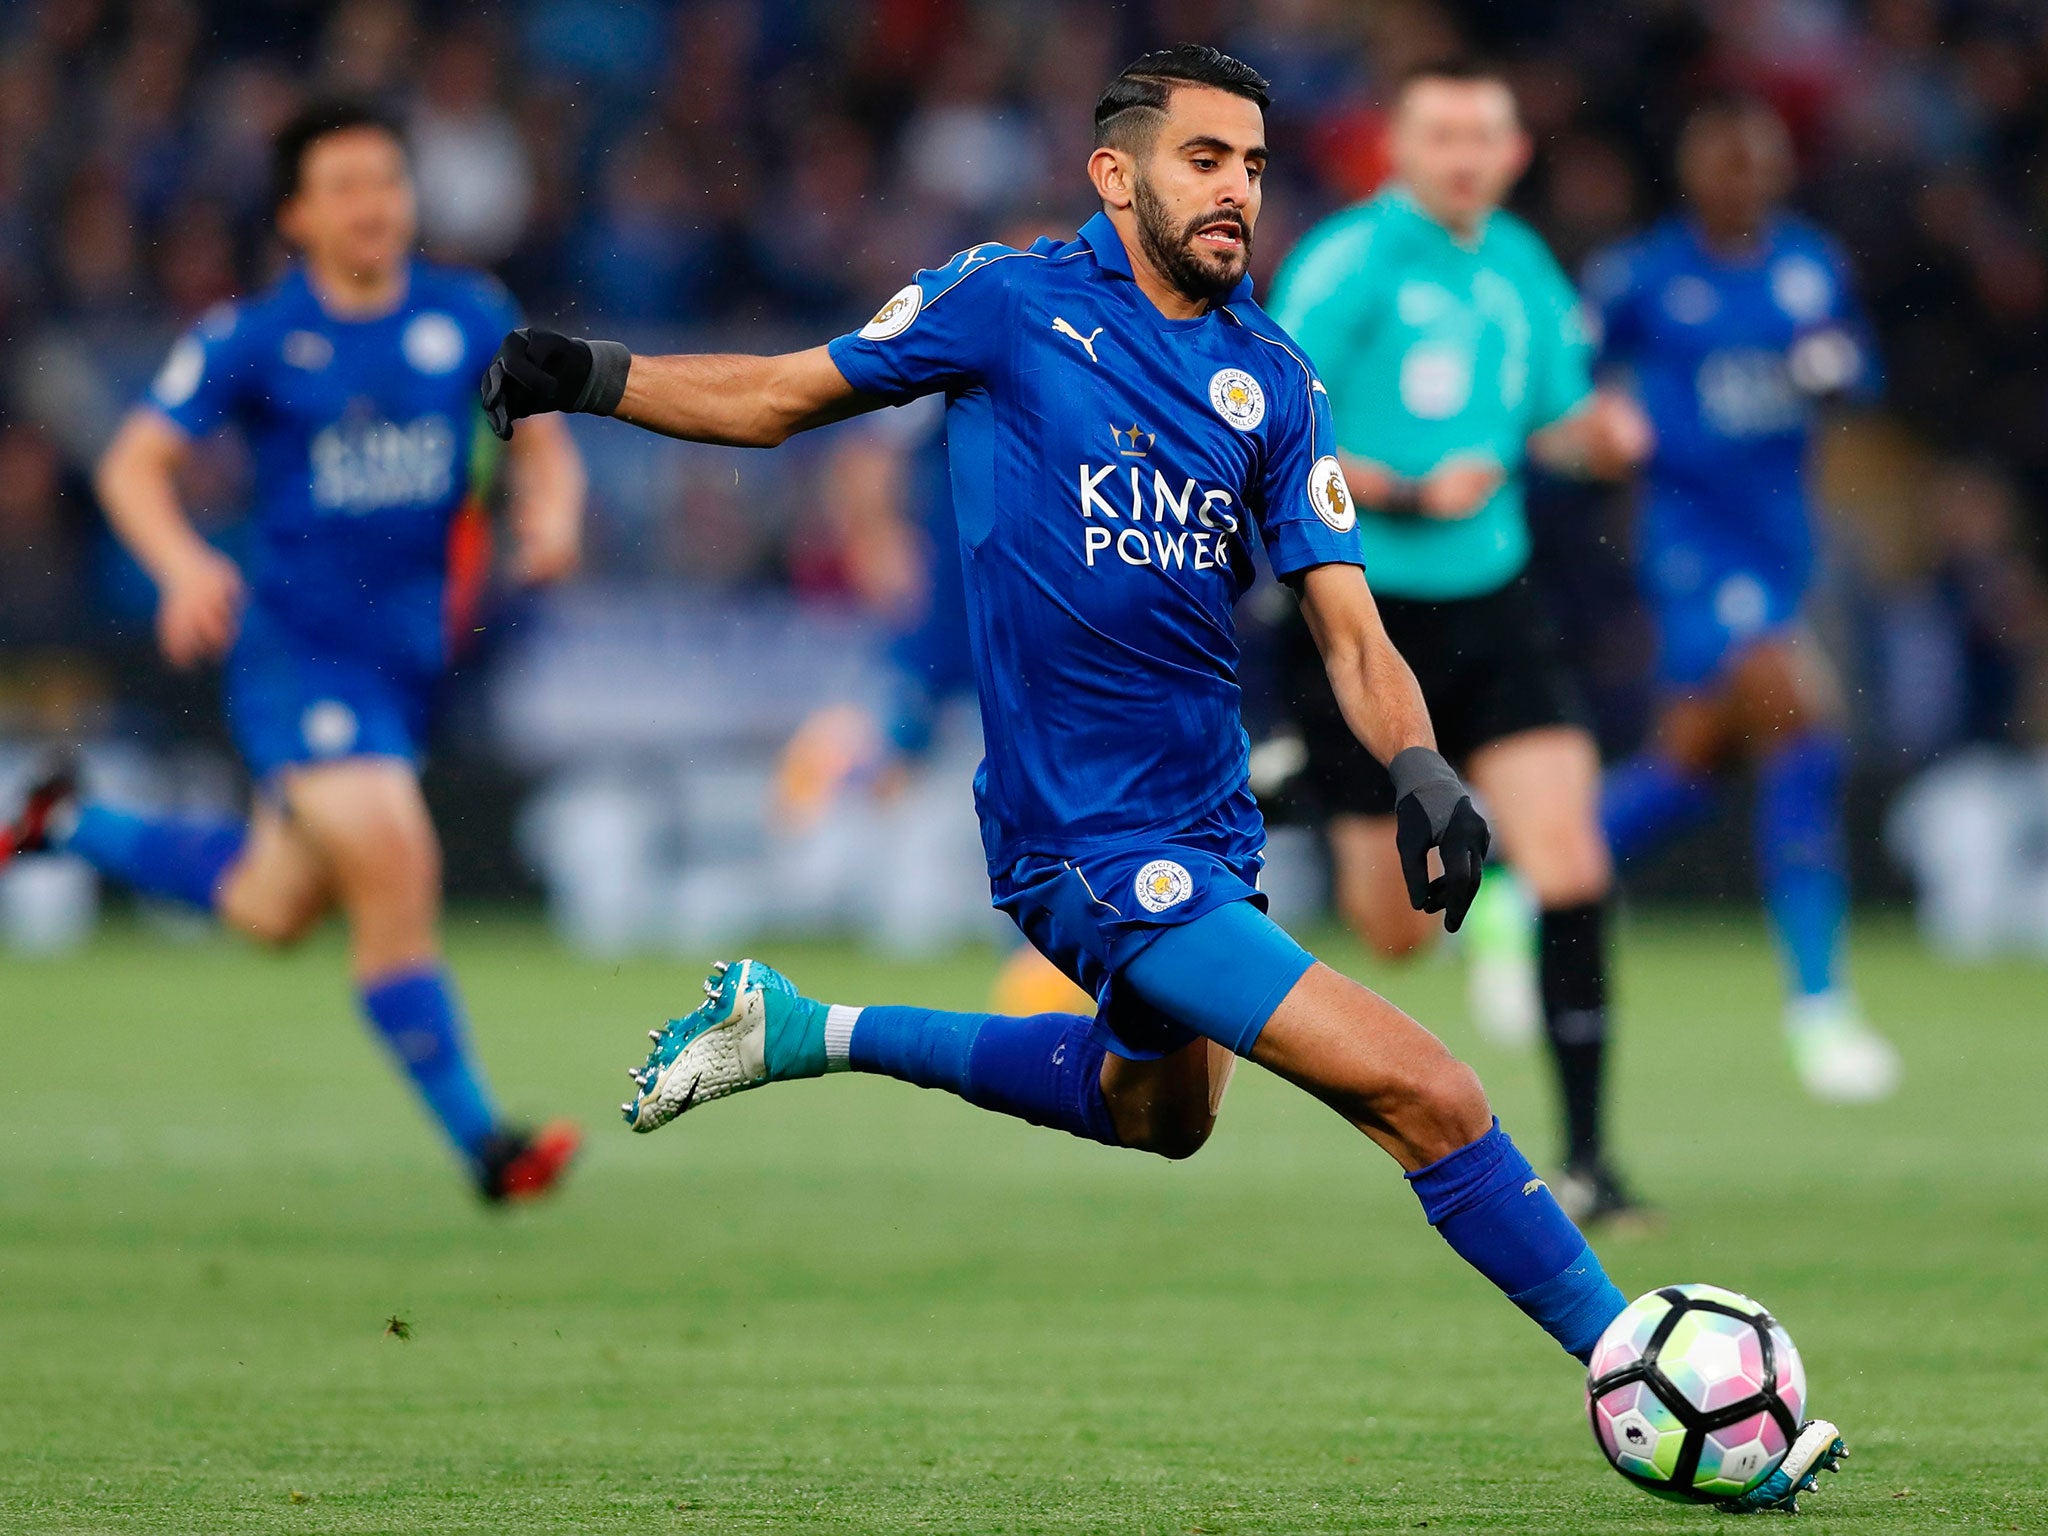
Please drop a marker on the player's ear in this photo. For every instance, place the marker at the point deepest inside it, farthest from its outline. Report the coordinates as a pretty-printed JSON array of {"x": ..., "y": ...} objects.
[
  {"x": 1114, "y": 176},
  {"x": 1525, "y": 150}
]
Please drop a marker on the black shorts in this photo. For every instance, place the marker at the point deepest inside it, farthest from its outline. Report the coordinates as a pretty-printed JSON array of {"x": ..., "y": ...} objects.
[{"x": 1489, "y": 669}]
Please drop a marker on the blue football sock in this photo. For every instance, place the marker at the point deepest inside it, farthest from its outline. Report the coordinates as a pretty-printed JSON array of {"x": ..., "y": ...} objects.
[
  {"x": 418, "y": 1017},
  {"x": 180, "y": 857},
  {"x": 1648, "y": 800},
  {"x": 1488, "y": 1204},
  {"x": 1046, "y": 1068},
  {"x": 1800, "y": 851}
]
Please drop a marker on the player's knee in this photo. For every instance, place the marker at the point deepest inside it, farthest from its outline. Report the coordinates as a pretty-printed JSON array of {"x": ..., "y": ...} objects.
[
  {"x": 385, "y": 850},
  {"x": 275, "y": 926},
  {"x": 1437, "y": 1106},
  {"x": 1574, "y": 873}
]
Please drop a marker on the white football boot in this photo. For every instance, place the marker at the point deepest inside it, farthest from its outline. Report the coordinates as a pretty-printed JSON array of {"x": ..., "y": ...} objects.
[{"x": 1839, "y": 1057}]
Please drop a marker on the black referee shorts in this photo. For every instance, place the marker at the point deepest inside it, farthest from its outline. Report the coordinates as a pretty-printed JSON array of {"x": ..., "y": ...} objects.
[{"x": 1489, "y": 669}]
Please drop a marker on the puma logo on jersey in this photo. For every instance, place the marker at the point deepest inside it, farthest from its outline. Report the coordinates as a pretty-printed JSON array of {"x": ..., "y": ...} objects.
[{"x": 1087, "y": 342}]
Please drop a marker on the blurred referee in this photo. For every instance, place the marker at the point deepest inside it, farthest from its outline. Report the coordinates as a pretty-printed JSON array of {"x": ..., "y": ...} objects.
[{"x": 1453, "y": 347}]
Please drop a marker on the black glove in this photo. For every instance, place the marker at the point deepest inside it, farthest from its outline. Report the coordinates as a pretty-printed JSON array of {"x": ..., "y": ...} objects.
[
  {"x": 1432, "y": 810},
  {"x": 538, "y": 371}
]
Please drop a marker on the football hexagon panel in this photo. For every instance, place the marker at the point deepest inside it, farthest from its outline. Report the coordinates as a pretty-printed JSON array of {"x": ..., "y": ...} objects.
[
  {"x": 1712, "y": 1360},
  {"x": 1628, "y": 1335},
  {"x": 1638, "y": 1431},
  {"x": 1736, "y": 1458}
]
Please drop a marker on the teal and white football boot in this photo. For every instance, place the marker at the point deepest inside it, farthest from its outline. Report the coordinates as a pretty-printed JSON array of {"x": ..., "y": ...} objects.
[
  {"x": 1817, "y": 1449},
  {"x": 753, "y": 1027}
]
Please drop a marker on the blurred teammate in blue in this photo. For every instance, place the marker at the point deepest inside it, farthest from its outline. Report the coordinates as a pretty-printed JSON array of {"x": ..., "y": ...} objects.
[
  {"x": 1735, "y": 322},
  {"x": 1123, "y": 425},
  {"x": 893, "y": 497},
  {"x": 353, "y": 379}
]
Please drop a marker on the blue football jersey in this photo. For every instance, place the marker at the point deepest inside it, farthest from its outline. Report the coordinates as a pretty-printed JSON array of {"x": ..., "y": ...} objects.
[
  {"x": 1712, "y": 345},
  {"x": 1111, "y": 470},
  {"x": 363, "y": 434}
]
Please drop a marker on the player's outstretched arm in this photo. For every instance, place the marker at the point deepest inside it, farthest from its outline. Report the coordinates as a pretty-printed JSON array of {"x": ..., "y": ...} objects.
[
  {"x": 1383, "y": 705},
  {"x": 548, "y": 491},
  {"x": 199, "y": 591},
  {"x": 743, "y": 402}
]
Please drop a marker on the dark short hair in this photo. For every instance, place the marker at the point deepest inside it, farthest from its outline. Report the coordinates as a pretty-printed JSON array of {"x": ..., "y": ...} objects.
[
  {"x": 1457, "y": 70},
  {"x": 313, "y": 123},
  {"x": 1725, "y": 108},
  {"x": 1131, "y": 110}
]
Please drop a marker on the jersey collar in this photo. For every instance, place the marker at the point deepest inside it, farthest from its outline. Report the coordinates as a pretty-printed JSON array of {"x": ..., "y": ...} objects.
[
  {"x": 1766, "y": 247},
  {"x": 1400, "y": 195},
  {"x": 1101, "y": 237},
  {"x": 298, "y": 280}
]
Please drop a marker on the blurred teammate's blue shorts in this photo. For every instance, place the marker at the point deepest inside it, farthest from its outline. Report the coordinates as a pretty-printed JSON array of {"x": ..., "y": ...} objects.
[
  {"x": 291, "y": 704},
  {"x": 1704, "y": 626},
  {"x": 1177, "y": 918}
]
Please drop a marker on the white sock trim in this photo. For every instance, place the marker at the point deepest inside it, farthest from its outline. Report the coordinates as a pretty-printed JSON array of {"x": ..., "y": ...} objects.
[{"x": 839, "y": 1022}]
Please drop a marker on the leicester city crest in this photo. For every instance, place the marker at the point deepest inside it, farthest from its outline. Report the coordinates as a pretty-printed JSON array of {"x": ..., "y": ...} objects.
[
  {"x": 1162, "y": 884},
  {"x": 1237, "y": 398}
]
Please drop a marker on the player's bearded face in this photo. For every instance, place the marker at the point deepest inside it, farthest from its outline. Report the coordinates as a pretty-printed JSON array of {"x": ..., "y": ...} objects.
[{"x": 1175, "y": 245}]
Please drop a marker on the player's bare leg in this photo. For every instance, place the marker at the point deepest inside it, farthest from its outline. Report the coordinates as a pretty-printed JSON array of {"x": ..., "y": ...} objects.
[
  {"x": 1542, "y": 791},
  {"x": 1396, "y": 1082},
  {"x": 1778, "y": 706},
  {"x": 1168, "y": 1105},
  {"x": 1786, "y": 709},
  {"x": 1368, "y": 891},
  {"x": 1375, "y": 1066},
  {"x": 280, "y": 886},
  {"x": 369, "y": 822}
]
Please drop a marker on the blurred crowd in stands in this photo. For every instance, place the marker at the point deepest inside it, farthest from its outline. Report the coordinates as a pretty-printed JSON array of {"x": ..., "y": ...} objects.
[{"x": 752, "y": 172}]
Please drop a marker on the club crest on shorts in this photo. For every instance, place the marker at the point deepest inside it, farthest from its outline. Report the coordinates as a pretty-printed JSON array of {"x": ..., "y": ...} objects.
[
  {"x": 1330, "y": 496},
  {"x": 894, "y": 317},
  {"x": 1237, "y": 398},
  {"x": 1162, "y": 884},
  {"x": 329, "y": 728}
]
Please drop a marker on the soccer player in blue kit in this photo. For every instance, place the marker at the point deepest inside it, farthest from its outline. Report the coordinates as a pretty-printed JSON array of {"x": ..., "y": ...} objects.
[
  {"x": 354, "y": 380},
  {"x": 1123, "y": 424},
  {"x": 1735, "y": 321}
]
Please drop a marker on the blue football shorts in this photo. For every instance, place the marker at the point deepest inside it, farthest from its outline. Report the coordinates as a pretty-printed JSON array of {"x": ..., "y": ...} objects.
[
  {"x": 291, "y": 704},
  {"x": 1168, "y": 933},
  {"x": 1703, "y": 626}
]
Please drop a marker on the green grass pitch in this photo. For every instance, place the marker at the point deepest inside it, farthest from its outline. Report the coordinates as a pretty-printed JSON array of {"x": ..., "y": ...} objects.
[{"x": 851, "y": 1306}]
